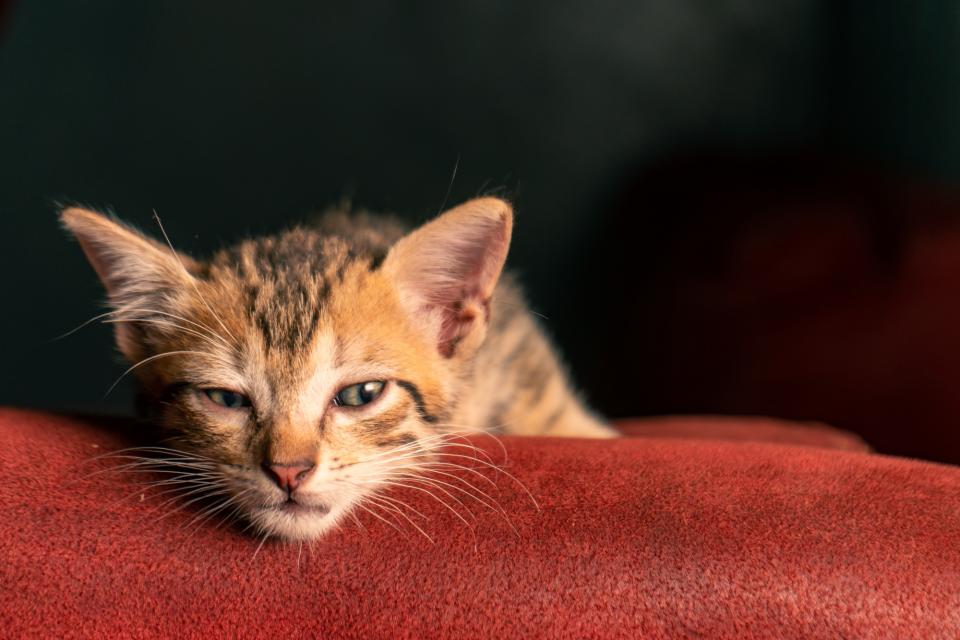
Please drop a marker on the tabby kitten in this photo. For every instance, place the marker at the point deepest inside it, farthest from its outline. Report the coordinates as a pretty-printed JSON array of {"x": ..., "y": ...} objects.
[{"x": 304, "y": 370}]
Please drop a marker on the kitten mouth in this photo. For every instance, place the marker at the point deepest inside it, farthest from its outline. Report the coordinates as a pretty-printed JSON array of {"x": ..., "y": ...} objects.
[{"x": 295, "y": 507}]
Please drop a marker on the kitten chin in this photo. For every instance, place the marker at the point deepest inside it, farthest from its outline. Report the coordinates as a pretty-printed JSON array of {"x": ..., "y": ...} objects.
[
  {"x": 297, "y": 525},
  {"x": 302, "y": 373}
]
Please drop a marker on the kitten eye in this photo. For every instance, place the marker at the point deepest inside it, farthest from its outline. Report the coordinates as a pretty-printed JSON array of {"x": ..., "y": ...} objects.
[
  {"x": 357, "y": 395},
  {"x": 227, "y": 399}
]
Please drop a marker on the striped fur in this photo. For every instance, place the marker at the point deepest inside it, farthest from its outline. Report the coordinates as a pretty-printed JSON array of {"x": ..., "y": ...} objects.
[{"x": 289, "y": 320}]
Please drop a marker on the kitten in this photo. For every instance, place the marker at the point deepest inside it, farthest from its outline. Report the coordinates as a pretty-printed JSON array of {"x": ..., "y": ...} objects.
[{"x": 301, "y": 371}]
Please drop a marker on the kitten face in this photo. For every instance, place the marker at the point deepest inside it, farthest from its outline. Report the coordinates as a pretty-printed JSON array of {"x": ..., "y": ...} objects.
[{"x": 306, "y": 371}]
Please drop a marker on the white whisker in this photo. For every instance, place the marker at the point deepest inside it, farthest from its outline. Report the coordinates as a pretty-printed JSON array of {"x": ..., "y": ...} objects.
[
  {"x": 495, "y": 506},
  {"x": 157, "y": 312},
  {"x": 165, "y": 323},
  {"x": 375, "y": 499},
  {"x": 382, "y": 519},
  {"x": 259, "y": 546},
  {"x": 394, "y": 483},
  {"x": 192, "y": 280},
  {"x": 155, "y": 357},
  {"x": 192, "y": 526}
]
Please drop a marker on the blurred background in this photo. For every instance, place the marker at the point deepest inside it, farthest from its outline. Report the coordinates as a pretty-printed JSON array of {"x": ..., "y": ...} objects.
[{"x": 723, "y": 206}]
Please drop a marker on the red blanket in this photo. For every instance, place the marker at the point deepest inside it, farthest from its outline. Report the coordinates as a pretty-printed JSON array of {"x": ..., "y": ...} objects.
[{"x": 640, "y": 537}]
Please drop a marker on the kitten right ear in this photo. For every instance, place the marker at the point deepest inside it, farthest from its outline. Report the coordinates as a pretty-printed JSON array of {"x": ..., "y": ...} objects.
[
  {"x": 446, "y": 271},
  {"x": 134, "y": 269}
]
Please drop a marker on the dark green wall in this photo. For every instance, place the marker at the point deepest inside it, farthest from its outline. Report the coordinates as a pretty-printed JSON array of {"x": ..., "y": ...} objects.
[
  {"x": 895, "y": 94},
  {"x": 237, "y": 117}
]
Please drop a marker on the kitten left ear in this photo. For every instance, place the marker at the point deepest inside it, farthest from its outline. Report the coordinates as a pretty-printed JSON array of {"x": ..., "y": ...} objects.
[
  {"x": 448, "y": 269},
  {"x": 128, "y": 262},
  {"x": 134, "y": 269}
]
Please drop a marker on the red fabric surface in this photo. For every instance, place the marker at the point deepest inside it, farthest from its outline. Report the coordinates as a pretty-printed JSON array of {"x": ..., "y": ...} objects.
[
  {"x": 744, "y": 429},
  {"x": 638, "y": 537}
]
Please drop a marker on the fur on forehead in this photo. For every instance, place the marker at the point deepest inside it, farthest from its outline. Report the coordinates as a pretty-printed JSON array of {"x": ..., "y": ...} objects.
[{"x": 443, "y": 276}]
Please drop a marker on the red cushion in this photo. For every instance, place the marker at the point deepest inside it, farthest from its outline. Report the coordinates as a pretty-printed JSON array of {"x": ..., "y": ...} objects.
[
  {"x": 638, "y": 537},
  {"x": 744, "y": 429}
]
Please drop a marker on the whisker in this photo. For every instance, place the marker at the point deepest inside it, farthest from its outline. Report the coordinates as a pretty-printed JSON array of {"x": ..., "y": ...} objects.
[
  {"x": 193, "y": 281},
  {"x": 210, "y": 512},
  {"x": 394, "y": 483},
  {"x": 143, "y": 491},
  {"x": 453, "y": 177},
  {"x": 439, "y": 451},
  {"x": 154, "y": 449},
  {"x": 382, "y": 519},
  {"x": 155, "y": 357},
  {"x": 251, "y": 524},
  {"x": 436, "y": 463},
  {"x": 357, "y": 521},
  {"x": 438, "y": 484},
  {"x": 82, "y": 325},
  {"x": 495, "y": 506},
  {"x": 138, "y": 467},
  {"x": 433, "y": 454},
  {"x": 259, "y": 546},
  {"x": 120, "y": 315},
  {"x": 499, "y": 470},
  {"x": 164, "y": 323},
  {"x": 199, "y": 325},
  {"x": 204, "y": 493},
  {"x": 170, "y": 461},
  {"x": 398, "y": 502},
  {"x": 233, "y": 514},
  {"x": 450, "y": 475},
  {"x": 488, "y": 433},
  {"x": 401, "y": 513},
  {"x": 416, "y": 445}
]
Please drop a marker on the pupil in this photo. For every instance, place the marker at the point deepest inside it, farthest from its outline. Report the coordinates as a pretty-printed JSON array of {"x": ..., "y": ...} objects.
[
  {"x": 227, "y": 399},
  {"x": 360, "y": 394}
]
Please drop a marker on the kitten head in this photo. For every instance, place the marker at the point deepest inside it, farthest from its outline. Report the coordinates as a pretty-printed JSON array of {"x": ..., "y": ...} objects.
[{"x": 305, "y": 371}]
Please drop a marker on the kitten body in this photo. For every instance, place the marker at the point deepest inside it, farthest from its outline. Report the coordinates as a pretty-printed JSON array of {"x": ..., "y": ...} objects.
[
  {"x": 516, "y": 383},
  {"x": 307, "y": 371}
]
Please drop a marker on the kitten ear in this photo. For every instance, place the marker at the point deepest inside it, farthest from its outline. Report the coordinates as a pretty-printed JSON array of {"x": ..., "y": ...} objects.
[
  {"x": 134, "y": 269},
  {"x": 446, "y": 271},
  {"x": 129, "y": 263}
]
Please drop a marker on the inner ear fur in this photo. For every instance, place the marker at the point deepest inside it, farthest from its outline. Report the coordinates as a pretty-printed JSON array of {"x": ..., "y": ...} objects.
[
  {"x": 447, "y": 270},
  {"x": 135, "y": 270}
]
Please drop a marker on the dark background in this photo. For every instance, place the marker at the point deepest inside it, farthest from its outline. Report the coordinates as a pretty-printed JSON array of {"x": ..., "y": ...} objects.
[{"x": 232, "y": 118}]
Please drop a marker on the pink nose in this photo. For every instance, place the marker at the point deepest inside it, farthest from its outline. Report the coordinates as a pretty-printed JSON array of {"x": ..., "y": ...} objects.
[{"x": 288, "y": 476}]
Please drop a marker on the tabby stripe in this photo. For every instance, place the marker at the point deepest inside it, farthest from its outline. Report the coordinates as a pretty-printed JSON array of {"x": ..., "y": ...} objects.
[
  {"x": 520, "y": 349},
  {"x": 552, "y": 419},
  {"x": 397, "y": 441},
  {"x": 536, "y": 382},
  {"x": 377, "y": 260},
  {"x": 417, "y": 397}
]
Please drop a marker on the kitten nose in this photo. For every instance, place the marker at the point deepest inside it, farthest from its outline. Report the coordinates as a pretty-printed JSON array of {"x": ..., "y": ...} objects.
[{"x": 288, "y": 476}]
